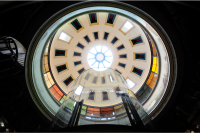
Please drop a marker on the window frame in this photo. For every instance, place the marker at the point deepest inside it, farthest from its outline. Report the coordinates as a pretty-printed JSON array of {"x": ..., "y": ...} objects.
[
  {"x": 77, "y": 55},
  {"x": 70, "y": 82},
  {"x": 121, "y": 48},
  {"x": 82, "y": 27},
  {"x": 107, "y": 36},
  {"x": 67, "y": 68},
  {"x": 118, "y": 95},
  {"x": 64, "y": 40},
  {"x": 93, "y": 95},
  {"x": 108, "y": 24},
  {"x": 134, "y": 56},
  {"x": 134, "y": 45},
  {"x": 103, "y": 95},
  {"x": 80, "y": 44},
  {"x": 86, "y": 40},
  {"x": 132, "y": 81},
  {"x": 115, "y": 41},
  {"x": 81, "y": 69},
  {"x": 59, "y": 56},
  {"x": 128, "y": 30},
  {"x": 135, "y": 73},
  {"x": 97, "y": 16}
]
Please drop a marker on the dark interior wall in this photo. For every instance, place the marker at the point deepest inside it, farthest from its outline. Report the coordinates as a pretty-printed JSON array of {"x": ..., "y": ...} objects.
[{"x": 21, "y": 20}]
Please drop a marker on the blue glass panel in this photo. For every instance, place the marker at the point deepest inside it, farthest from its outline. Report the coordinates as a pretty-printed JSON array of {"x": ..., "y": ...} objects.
[
  {"x": 80, "y": 46},
  {"x": 77, "y": 54},
  {"x": 123, "y": 56},
  {"x": 77, "y": 63},
  {"x": 122, "y": 65},
  {"x": 81, "y": 70},
  {"x": 120, "y": 47}
]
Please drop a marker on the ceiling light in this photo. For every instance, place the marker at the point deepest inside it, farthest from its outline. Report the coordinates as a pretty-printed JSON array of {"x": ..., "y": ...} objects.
[
  {"x": 127, "y": 26},
  {"x": 111, "y": 78},
  {"x": 100, "y": 58},
  {"x": 2, "y": 124},
  {"x": 63, "y": 36},
  {"x": 79, "y": 90},
  {"x": 130, "y": 83}
]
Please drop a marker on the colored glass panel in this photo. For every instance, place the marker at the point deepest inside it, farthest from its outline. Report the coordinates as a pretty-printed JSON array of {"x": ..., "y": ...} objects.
[
  {"x": 120, "y": 47},
  {"x": 93, "y": 17},
  {"x": 81, "y": 70},
  {"x": 62, "y": 99},
  {"x": 91, "y": 95},
  {"x": 103, "y": 80},
  {"x": 80, "y": 46},
  {"x": 76, "y": 24},
  {"x": 87, "y": 38},
  {"x": 114, "y": 40},
  {"x": 122, "y": 65},
  {"x": 77, "y": 63},
  {"x": 117, "y": 91},
  {"x": 105, "y": 95},
  {"x": 105, "y": 35},
  {"x": 137, "y": 71},
  {"x": 59, "y": 52},
  {"x": 123, "y": 56},
  {"x": 77, "y": 54},
  {"x": 68, "y": 80},
  {"x": 96, "y": 35},
  {"x": 111, "y": 18},
  {"x": 83, "y": 110},
  {"x": 137, "y": 40},
  {"x": 140, "y": 56},
  {"x": 61, "y": 68}
]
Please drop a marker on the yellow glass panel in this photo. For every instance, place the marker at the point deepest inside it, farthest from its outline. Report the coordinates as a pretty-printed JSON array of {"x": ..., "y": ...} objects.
[
  {"x": 49, "y": 75},
  {"x": 46, "y": 68},
  {"x": 130, "y": 93},
  {"x": 50, "y": 78},
  {"x": 157, "y": 61},
  {"x": 153, "y": 68},
  {"x": 117, "y": 107},
  {"x": 45, "y": 60},
  {"x": 46, "y": 78},
  {"x": 52, "y": 82},
  {"x": 46, "y": 51},
  {"x": 48, "y": 84},
  {"x": 156, "y": 70},
  {"x": 154, "y": 60}
]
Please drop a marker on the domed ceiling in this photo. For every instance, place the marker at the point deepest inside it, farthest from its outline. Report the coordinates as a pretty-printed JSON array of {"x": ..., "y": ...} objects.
[
  {"x": 100, "y": 40},
  {"x": 77, "y": 41}
]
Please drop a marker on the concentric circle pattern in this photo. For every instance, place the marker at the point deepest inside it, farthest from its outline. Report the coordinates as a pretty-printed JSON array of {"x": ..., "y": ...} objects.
[
  {"x": 100, "y": 58},
  {"x": 102, "y": 40}
]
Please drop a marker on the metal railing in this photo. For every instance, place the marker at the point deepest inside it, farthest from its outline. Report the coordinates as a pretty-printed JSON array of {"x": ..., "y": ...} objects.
[{"x": 12, "y": 61}]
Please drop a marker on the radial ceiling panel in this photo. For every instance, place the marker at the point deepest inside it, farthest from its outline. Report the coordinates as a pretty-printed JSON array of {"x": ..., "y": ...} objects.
[{"x": 101, "y": 28}]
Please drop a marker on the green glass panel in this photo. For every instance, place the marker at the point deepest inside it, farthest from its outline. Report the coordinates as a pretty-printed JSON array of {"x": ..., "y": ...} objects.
[
  {"x": 62, "y": 99},
  {"x": 83, "y": 110}
]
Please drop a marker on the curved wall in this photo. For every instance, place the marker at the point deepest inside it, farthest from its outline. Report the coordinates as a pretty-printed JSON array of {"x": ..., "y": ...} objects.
[{"x": 38, "y": 65}]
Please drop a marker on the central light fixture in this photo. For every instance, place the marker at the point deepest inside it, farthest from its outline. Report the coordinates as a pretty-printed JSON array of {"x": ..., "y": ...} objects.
[{"x": 100, "y": 58}]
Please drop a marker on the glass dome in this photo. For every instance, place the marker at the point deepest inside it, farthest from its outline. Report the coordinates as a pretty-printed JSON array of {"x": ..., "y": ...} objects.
[
  {"x": 101, "y": 104},
  {"x": 100, "y": 58}
]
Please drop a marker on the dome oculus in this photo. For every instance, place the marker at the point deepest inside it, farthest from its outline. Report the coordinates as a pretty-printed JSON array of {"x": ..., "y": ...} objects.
[{"x": 100, "y": 58}]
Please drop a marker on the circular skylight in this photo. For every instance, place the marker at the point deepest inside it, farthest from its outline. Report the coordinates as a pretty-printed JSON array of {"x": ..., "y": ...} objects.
[{"x": 100, "y": 58}]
